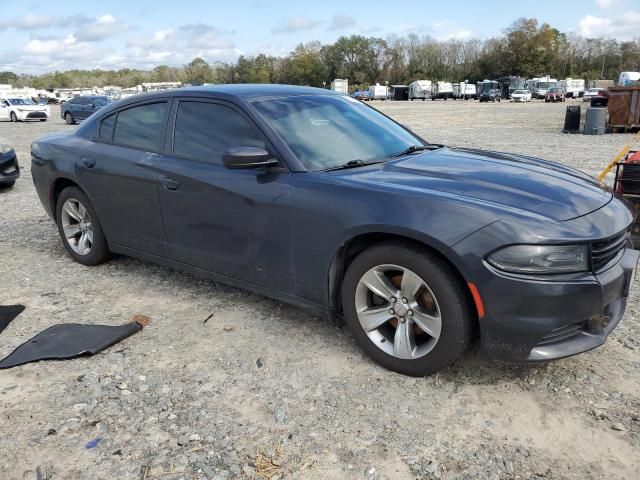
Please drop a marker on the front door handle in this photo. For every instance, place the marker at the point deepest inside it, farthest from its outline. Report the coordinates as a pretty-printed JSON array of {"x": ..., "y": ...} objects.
[
  {"x": 170, "y": 183},
  {"x": 88, "y": 162}
]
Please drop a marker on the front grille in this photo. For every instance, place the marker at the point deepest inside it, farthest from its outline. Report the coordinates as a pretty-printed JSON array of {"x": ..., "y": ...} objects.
[
  {"x": 604, "y": 251},
  {"x": 562, "y": 333},
  {"x": 36, "y": 115}
]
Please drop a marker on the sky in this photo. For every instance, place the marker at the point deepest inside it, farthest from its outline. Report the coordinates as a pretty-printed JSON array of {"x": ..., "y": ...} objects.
[{"x": 38, "y": 36}]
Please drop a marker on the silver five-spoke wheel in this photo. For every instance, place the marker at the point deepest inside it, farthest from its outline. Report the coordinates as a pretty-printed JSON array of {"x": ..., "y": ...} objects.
[
  {"x": 77, "y": 226},
  {"x": 398, "y": 311}
]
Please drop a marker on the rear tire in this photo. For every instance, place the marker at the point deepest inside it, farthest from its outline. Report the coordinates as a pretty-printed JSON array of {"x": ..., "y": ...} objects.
[
  {"x": 445, "y": 293},
  {"x": 72, "y": 226}
]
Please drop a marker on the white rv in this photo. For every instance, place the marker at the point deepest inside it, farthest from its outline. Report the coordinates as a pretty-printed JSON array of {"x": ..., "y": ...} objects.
[
  {"x": 420, "y": 89},
  {"x": 378, "y": 92},
  {"x": 464, "y": 90},
  {"x": 573, "y": 87},
  {"x": 628, "y": 78},
  {"x": 539, "y": 86},
  {"x": 340, "y": 85},
  {"x": 442, "y": 90}
]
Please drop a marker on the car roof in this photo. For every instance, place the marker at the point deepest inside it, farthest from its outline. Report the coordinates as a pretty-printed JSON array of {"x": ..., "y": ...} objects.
[{"x": 243, "y": 91}]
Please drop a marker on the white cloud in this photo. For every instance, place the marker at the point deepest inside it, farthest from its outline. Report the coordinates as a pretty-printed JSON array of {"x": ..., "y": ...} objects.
[
  {"x": 28, "y": 22},
  {"x": 441, "y": 30},
  {"x": 604, "y": 3},
  {"x": 297, "y": 24},
  {"x": 341, "y": 22},
  {"x": 181, "y": 45},
  {"x": 104, "y": 26},
  {"x": 624, "y": 27}
]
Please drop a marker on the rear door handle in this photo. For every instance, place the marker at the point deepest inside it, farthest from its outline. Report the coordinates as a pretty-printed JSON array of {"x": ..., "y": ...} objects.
[
  {"x": 170, "y": 183},
  {"x": 88, "y": 162}
]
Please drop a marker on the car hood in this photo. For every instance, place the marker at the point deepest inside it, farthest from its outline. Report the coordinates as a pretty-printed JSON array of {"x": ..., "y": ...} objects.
[{"x": 538, "y": 187}]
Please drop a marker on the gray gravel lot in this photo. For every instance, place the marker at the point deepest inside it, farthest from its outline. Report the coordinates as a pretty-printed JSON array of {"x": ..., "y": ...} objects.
[{"x": 265, "y": 390}]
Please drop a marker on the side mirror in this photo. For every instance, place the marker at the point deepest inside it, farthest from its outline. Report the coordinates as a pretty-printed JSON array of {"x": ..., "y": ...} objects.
[{"x": 248, "y": 157}]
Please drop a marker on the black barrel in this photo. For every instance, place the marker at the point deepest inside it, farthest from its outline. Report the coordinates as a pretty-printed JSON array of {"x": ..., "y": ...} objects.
[{"x": 572, "y": 119}]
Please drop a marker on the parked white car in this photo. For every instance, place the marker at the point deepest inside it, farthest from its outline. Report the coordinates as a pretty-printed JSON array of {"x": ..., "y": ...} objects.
[
  {"x": 22, "y": 109},
  {"x": 521, "y": 96},
  {"x": 592, "y": 92}
]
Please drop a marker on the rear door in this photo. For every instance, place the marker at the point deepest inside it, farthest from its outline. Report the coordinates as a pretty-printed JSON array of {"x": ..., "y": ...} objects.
[
  {"x": 117, "y": 172},
  {"x": 233, "y": 222}
]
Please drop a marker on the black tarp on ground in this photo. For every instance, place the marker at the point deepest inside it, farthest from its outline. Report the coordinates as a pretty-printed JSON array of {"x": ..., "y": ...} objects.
[
  {"x": 71, "y": 340},
  {"x": 8, "y": 313}
]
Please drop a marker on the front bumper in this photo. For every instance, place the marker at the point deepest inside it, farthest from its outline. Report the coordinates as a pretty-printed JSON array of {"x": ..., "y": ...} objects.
[
  {"x": 9, "y": 169},
  {"x": 536, "y": 320},
  {"x": 25, "y": 115}
]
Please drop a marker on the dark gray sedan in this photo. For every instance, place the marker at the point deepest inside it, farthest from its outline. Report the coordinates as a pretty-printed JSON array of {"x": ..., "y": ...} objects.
[{"x": 319, "y": 200}]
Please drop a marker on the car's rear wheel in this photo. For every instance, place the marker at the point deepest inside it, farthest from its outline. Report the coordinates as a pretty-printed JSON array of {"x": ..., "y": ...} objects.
[
  {"x": 69, "y": 118},
  {"x": 80, "y": 229},
  {"x": 407, "y": 309}
]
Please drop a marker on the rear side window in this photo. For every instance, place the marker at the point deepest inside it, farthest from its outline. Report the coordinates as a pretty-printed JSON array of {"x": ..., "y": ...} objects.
[
  {"x": 205, "y": 131},
  {"x": 106, "y": 128},
  {"x": 141, "y": 127}
]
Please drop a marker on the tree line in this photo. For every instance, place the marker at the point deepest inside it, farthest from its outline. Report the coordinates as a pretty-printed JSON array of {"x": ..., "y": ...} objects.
[{"x": 526, "y": 48}]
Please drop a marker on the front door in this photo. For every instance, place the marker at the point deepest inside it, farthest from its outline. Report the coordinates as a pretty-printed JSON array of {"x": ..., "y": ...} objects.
[
  {"x": 233, "y": 222},
  {"x": 4, "y": 110}
]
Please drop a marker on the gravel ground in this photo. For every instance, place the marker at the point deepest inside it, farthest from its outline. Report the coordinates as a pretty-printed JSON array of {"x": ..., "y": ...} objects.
[{"x": 265, "y": 390}]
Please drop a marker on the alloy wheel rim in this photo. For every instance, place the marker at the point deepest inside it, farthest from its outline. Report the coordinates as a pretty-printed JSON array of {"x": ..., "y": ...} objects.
[
  {"x": 77, "y": 226},
  {"x": 398, "y": 311}
]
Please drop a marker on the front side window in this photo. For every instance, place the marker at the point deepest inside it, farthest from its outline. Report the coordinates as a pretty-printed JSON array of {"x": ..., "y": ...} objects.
[
  {"x": 205, "y": 131},
  {"x": 325, "y": 131},
  {"x": 141, "y": 127}
]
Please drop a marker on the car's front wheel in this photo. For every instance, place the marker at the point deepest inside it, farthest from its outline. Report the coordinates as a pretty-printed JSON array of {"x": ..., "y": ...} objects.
[
  {"x": 14, "y": 117},
  {"x": 80, "y": 229},
  {"x": 407, "y": 309},
  {"x": 69, "y": 119}
]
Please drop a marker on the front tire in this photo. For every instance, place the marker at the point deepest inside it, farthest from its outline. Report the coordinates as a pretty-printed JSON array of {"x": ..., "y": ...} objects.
[
  {"x": 14, "y": 117},
  {"x": 7, "y": 185},
  {"x": 80, "y": 229},
  {"x": 68, "y": 118},
  {"x": 407, "y": 309}
]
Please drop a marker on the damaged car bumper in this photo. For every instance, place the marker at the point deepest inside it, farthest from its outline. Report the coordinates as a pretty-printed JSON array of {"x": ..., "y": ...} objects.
[{"x": 531, "y": 318}]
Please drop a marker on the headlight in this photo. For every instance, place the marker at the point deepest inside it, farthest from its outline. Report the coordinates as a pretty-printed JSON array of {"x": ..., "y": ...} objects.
[
  {"x": 5, "y": 148},
  {"x": 541, "y": 259}
]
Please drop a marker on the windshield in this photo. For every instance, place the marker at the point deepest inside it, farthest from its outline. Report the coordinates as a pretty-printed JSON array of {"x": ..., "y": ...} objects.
[
  {"x": 20, "y": 101},
  {"x": 520, "y": 92},
  {"x": 326, "y": 131}
]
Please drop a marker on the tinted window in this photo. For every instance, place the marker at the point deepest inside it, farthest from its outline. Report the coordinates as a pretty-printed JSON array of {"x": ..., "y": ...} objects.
[
  {"x": 141, "y": 127},
  {"x": 106, "y": 128},
  {"x": 205, "y": 131}
]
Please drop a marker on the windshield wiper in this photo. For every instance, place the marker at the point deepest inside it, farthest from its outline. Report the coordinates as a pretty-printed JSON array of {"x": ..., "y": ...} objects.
[
  {"x": 349, "y": 164},
  {"x": 411, "y": 149}
]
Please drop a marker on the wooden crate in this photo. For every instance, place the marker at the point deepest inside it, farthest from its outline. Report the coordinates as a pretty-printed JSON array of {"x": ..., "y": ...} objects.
[{"x": 624, "y": 107}]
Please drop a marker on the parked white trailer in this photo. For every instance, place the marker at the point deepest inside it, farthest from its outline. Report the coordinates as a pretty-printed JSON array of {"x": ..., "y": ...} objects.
[
  {"x": 464, "y": 90},
  {"x": 420, "y": 89},
  {"x": 378, "y": 92},
  {"x": 340, "y": 85},
  {"x": 573, "y": 87},
  {"x": 628, "y": 78},
  {"x": 442, "y": 90}
]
